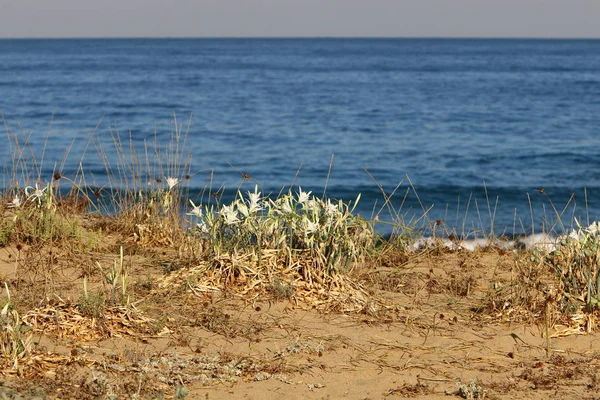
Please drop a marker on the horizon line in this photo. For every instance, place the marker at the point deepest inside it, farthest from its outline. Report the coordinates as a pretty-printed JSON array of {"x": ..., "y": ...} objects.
[{"x": 299, "y": 37}]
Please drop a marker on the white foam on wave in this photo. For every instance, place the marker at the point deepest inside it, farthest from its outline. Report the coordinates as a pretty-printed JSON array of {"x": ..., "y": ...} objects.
[{"x": 540, "y": 241}]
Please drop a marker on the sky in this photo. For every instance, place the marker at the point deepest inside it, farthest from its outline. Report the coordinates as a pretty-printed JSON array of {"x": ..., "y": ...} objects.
[{"x": 300, "y": 18}]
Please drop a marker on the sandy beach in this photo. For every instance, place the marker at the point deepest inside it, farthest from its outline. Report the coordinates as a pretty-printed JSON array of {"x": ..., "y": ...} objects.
[{"x": 428, "y": 324}]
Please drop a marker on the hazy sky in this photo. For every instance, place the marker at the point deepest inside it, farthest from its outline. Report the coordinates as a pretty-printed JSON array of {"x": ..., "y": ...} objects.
[{"x": 424, "y": 18}]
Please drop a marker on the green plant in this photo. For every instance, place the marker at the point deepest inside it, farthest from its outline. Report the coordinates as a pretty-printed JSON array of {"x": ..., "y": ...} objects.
[
  {"x": 280, "y": 289},
  {"x": 36, "y": 217},
  {"x": 7, "y": 229},
  {"x": 472, "y": 390},
  {"x": 90, "y": 304},
  {"x": 181, "y": 392},
  {"x": 15, "y": 336},
  {"x": 325, "y": 229},
  {"x": 576, "y": 262},
  {"x": 117, "y": 275}
]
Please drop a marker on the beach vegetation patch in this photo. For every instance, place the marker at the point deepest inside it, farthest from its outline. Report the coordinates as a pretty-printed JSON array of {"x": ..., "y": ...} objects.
[{"x": 576, "y": 262}]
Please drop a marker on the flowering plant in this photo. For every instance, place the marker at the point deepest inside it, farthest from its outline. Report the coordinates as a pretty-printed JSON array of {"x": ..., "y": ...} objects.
[
  {"x": 34, "y": 194},
  {"x": 576, "y": 261},
  {"x": 293, "y": 222}
]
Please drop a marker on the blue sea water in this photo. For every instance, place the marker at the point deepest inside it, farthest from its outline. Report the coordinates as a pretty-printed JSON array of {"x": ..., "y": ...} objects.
[{"x": 459, "y": 117}]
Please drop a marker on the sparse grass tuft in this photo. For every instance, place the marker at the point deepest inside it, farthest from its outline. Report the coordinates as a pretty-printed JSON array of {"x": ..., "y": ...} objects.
[
  {"x": 116, "y": 278},
  {"x": 91, "y": 304},
  {"x": 15, "y": 336}
]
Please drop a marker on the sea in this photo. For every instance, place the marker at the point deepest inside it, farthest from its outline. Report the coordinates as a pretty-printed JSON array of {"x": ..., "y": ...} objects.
[{"x": 462, "y": 136}]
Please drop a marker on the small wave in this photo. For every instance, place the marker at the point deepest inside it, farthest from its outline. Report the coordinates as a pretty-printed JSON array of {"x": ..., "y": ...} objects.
[
  {"x": 541, "y": 241},
  {"x": 587, "y": 82}
]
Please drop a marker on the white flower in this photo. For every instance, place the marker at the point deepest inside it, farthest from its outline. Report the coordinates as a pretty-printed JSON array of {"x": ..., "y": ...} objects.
[
  {"x": 203, "y": 228},
  {"x": 243, "y": 209},
  {"x": 331, "y": 209},
  {"x": 313, "y": 204},
  {"x": 286, "y": 206},
  {"x": 593, "y": 228},
  {"x": 229, "y": 214},
  {"x": 254, "y": 207},
  {"x": 303, "y": 197},
  {"x": 172, "y": 182},
  {"x": 254, "y": 200},
  {"x": 574, "y": 235},
  {"x": 37, "y": 194},
  {"x": 196, "y": 210},
  {"x": 15, "y": 203},
  {"x": 311, "y": 227}
]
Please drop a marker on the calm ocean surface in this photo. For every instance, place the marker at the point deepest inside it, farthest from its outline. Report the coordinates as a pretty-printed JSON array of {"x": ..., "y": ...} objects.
[{"x": 518, "y": 115}]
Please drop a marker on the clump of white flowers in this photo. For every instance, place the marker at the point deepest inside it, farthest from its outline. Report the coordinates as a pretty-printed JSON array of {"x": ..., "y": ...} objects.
[
  {"x": 35, "y": 195},
  {"x": 582, "y": 234},
  {"x": 576, "y": 261},
  {"x": 295, "y": 221}
]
